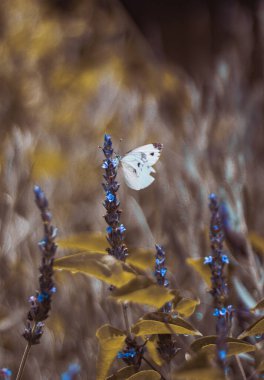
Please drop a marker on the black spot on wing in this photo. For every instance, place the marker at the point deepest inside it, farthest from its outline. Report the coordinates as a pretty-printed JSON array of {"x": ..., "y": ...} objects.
[{"x": 152, "y": 154}]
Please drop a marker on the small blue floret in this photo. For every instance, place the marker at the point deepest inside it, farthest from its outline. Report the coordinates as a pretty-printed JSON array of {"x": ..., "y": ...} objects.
[
  {"x": 225, "y": 259},
  {"x": 110, "y": 197},
  {"x": 105, "y": 164},
  {"x": 208, "y": 259},
  {"x": 222, "y": 354},
  {"x": 109, "y": 229},
  {"x": 122, "y": 228},
  {"x": 163, "y": 272},
  {"x": 53, "y": 289},
  {"x": 107, "y": 139},
  {"x": 40, "y": 297},
  {"x": 212, "y": 197},
  {"x": 223, "y": 311},
  {"x": 216, "y": 312}
]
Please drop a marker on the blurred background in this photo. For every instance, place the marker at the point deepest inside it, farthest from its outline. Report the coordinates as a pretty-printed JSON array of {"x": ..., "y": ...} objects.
[{"x": 188, "y": 74}]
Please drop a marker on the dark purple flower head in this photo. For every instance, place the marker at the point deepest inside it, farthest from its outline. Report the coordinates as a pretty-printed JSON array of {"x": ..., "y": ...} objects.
[
  {"x": 217, "y": 261},
  {"x": 40, "y": 303},
  {"x": 115, "y": 230}
]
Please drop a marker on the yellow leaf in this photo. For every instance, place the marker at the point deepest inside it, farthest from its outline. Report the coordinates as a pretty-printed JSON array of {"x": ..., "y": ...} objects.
[
  {"x": 163, "y": 323},
  {"x": 144, "y": 291},
  {"x": 198, "y": 368},
  {"x": 87, "y": 241},
  {"x": 235, "y": 346},
  {"x": 111, "y": 340},
  {"x": 256, "y": 328},
  {"x": 184, "y": 306},
  {"x": 123, "y": 373},
  {"x": 153, "y": 352},
  {"x": 49, "y": 163},
  {"x": 145, "y": 375},
  {"x": 257, "y": 242},
  {"x": 259, "y": 305},
  {"x": 141, "y": 258},
  {"x": 260, "y": 367},
  {"x": 201, "y": 268},
  {"x": 103, "y": 267}
]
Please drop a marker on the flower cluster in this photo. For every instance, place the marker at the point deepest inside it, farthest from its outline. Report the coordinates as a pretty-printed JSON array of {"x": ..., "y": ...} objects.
[
  {"x": 133, "y": 353},
  {"x": 115, "y": 230},
  {"x": 5, "y": 373},
  {"x": 167, "y": 346},
  {"x": 217, "y": 261},
  {"x": 72, "y": 372},
  {"x": 40, "y": 303}
]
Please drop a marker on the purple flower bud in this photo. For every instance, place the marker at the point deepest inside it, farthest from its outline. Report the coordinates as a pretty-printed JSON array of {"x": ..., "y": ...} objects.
[
  {"x": 212, "y": 197},
  {"x": 107, "y": 139}
]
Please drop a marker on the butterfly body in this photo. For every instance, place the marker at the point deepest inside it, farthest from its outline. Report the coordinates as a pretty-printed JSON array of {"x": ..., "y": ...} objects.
[{"x": 137, "y": 165}]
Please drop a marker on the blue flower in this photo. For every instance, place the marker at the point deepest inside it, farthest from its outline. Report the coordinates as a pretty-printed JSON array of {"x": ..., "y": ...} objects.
[
  {"x": 73, "y": 370},
  {"x": 105, "y": 164},
  {"x": 107, "y": 139},
  {"x": 122, "y": 228},
  {"x": 6, "y": 372},
  {"x": 216, "y": 312},
  {"x": 110, "y": 197},
  {"x": 222, "y": 354},
  {"x": 160, "y": 261},
  {"x": 208, "y": 259},
  {"x": 163, "y": 271},
  {"x": 225, "y": 259},
  {"x": 109, "y": 229},
  {"x": 223, "y": 311},
  {"x": 212, "y": 197},
  {"x": 115, "y": 162},
  {"x": 127, "y": 354},
  {"x": 53, "y": 289}
]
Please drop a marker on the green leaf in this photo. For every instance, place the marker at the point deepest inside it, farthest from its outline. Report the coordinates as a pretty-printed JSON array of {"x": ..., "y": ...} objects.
[
  {"x": 111, "y": 340},
  {"x": 86, "y": 241},
  {"x": 201, "y": 268},
  {"x": 103, "y": 267},
  {"x": 198, "y": 368},
  {"x": 256, "y": 328},
  {"x": 184, "y": 306},
  {"x": 235, "y": 346},
  {"x": 144, "y": 291},
  {"x": 123, "y": 373},
  {"x": 141, "y": 258},
  {"x": 152, "y": 350},
  {"x": 259, "y": 305},
  {"x": 146, "y": 375},
  {"x": 162, "y": 323}
]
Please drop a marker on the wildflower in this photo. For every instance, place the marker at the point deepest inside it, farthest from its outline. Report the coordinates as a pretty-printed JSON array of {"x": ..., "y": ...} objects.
[
  {"x": 219, "y": 289},
  {"x": 72, "y": 371},
  {"x": 41, "y": 302},
  {"x": 115, "y": 229},
  {"x": 5, "y": 373}
]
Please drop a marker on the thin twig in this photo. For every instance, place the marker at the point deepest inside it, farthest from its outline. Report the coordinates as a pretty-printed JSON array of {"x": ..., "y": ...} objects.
[
  {"x": 124, "y": 308},
  {"x": 241, "y": 367},
  {"x": 153, "y": 367},
  {"x": 24, "y": 358}
]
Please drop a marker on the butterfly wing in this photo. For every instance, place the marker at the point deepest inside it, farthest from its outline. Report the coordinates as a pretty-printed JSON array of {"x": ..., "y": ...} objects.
[{"x": 137, "y": 165}]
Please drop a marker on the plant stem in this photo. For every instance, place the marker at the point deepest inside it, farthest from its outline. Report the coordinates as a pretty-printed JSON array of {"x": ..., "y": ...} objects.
[
  {"x": 23, "y": 362},
  {"x": 240, "y": 367},
  {"x": 153, "y": 367},
  {"x": 24, "y": 358},
  {"x": 124, "y": 308}
]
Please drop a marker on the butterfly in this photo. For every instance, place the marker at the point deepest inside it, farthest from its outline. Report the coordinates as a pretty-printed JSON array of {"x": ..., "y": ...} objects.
[{"x": 137, "y": 165}]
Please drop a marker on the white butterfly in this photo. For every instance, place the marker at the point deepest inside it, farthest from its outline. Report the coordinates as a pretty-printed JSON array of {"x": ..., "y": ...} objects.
[{"x": 137, "y": 165}]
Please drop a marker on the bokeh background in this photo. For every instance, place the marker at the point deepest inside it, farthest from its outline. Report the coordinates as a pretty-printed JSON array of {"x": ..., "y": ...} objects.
[{"x": 188, "y": 74}]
